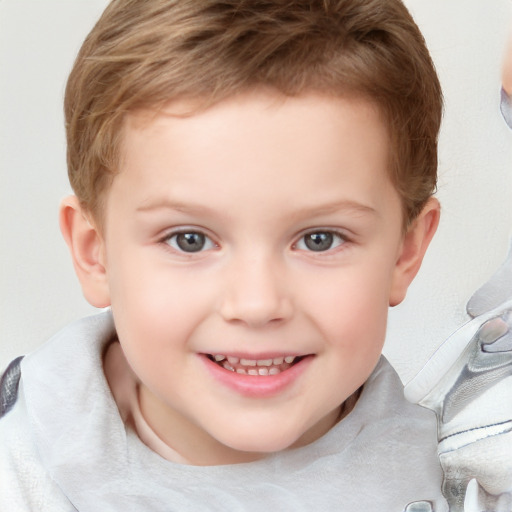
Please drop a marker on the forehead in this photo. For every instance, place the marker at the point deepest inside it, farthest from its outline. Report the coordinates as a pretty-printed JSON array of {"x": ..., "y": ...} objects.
[{"x": 309, "y": 148}]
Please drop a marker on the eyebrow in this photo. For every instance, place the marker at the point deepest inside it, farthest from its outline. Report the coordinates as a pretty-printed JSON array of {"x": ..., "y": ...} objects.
[
  {"x": 168, "y": 204},
  {"x": 346, "y": 205}
]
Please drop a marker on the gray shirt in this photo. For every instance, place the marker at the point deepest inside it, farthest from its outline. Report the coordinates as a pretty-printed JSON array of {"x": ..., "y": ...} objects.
[{"x": 64, "y": 447}]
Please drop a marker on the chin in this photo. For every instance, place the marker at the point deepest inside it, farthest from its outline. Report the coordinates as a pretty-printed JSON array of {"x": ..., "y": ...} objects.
[{"x": 263, "y": 443}]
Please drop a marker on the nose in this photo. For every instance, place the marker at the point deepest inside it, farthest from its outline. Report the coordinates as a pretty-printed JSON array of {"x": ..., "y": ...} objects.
[{"x": 256, "y": 292}]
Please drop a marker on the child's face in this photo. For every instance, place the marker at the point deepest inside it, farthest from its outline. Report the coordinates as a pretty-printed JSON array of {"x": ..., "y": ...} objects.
[{"x": 261, "y": 229}]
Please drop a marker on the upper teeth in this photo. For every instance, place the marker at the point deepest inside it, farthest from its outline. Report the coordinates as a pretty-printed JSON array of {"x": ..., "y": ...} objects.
[{"x": 255, "y": 362}]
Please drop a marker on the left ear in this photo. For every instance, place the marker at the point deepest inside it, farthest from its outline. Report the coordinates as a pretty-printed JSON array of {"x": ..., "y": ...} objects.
[
  {"x": 414, "y": 245},
  {"x": 87, "y": 251}
]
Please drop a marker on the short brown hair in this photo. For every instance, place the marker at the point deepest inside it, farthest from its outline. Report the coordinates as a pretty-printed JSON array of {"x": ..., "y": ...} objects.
[{"x": 146, "y": 53}]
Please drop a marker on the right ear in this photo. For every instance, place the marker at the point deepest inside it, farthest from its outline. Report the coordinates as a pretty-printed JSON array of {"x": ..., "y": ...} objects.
[
  {"x": 87, "y": 251},
  {"x": 507, "y": 68}
]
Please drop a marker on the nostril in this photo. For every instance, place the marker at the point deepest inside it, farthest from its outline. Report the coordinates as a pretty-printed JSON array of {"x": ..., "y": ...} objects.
[{"x": 256, "y": 314}]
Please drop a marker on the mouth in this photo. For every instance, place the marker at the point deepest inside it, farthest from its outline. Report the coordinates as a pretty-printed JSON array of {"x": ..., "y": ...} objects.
[{"x": 255, "y": 367}]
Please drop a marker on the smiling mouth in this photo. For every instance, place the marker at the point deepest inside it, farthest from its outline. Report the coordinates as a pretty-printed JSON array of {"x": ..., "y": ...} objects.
[{"x": 256, "y": 367}]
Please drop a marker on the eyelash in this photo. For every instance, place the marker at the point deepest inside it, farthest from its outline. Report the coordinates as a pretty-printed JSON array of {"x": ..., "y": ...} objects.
[{"x": 206, "y": 243}]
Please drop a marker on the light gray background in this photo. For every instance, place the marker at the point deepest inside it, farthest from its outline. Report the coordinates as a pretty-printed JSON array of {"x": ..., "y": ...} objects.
[{"x": 38, "y": 290}]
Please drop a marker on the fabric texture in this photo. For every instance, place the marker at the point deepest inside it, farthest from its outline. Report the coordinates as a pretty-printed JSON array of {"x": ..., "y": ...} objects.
[
  {"x": 64, "y": 447},
  {"x": 9, "y": 382}
]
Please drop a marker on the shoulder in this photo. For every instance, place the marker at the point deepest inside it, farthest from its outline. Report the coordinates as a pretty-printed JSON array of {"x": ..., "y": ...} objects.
[
  {"x": 384, "y": 409},
  {"x": 397, "y": 439},
  {"x": 25, "y": 484},
  {"x": 37, "y": 396}
]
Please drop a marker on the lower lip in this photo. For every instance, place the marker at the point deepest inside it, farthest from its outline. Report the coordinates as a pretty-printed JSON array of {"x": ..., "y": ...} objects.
[{"x": 257, "y": 386}]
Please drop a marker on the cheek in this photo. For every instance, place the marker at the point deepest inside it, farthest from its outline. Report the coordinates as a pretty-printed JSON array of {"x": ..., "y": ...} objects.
[
  {"x": 352, "y": 310},
  {"x": 143, "y": 283},
  {"x": 155, "y": 320},
  {"x": 152, "y": 312}
]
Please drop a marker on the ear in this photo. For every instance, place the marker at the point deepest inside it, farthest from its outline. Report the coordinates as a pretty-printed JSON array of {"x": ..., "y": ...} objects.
[
  {"x": 87, "y": 251},
  {"x": 414, "y": 245},
  {"x": 507, "y": 68}
]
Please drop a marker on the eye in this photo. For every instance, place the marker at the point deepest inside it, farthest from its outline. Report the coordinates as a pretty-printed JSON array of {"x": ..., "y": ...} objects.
[
  {"x": 320, "y": 241},
  {"x": 189, "y": 241}
]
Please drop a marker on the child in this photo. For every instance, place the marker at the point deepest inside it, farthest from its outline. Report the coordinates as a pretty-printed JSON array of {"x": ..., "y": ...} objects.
[{"x": 253, "y": 189}]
